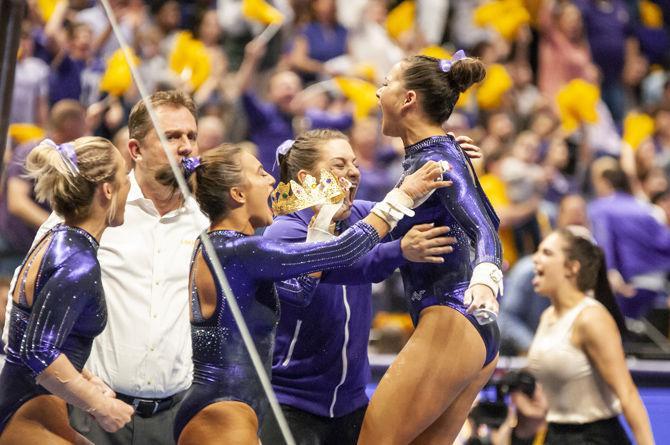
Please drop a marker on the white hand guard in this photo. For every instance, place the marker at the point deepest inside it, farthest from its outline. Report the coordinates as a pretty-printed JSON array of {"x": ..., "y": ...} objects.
[
  {"x": 489, "y": 275},
  {"x": 318, "y": 229}
]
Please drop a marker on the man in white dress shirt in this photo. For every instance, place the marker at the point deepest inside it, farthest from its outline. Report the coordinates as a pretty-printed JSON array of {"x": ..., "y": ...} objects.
[{"x": 144, "y": 353}]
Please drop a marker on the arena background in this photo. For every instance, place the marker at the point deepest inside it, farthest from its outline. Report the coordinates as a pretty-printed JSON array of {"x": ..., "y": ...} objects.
[{"x": 569, "y": 88}]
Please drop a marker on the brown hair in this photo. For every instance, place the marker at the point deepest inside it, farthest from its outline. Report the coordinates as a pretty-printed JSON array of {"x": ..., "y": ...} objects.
[
  {"x": 305, "y": 152},
  {"x": 72, "y": 28},
  {"x": 65, "y": 110},
  {"x": 592, "y": 273},
  {"x": 219, "y": 171},
  {"x": 139, "y": 122},
  {"x": 439, "y": 91},
  {"x": 69, "y": 194}
]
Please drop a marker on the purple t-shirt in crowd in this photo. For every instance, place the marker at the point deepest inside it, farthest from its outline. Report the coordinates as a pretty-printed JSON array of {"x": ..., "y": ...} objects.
[
  {"x": 607, "y": 26},
  {"x": 634, "y": 242},
  {"x": 269, "y": 126},
  {"x": 325, "y": 43},
  {"x": 76, "y": 79},
  {"x": 65, "y": 80},
  {"x": 18, "y": 235}
]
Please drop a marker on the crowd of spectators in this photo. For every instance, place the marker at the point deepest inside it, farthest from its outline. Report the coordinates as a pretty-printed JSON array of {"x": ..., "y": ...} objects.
[{"x": 573, "y": 118}]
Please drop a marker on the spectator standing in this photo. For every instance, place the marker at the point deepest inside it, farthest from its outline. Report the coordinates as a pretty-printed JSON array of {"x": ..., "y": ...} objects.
[
  {"x": 31, "y": 89},
  {"x": 521, "y": 308},
  {"x": 321, "y": 40},
  {"x": 609, "y": 32},
  {"x": 577, "y": 353},
  {"x": 271, "y": 121},
  {"x": 564, "y": 51},
  {"x": 20, "y": 213},
  {"x": 636, "y": 244}
]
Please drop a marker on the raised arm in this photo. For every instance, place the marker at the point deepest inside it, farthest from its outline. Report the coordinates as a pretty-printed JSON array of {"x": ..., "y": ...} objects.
[
  {"x": 285, "y": 260},
  {"x": 278, "y": 260},
  {"x": 374, "y": 266}
]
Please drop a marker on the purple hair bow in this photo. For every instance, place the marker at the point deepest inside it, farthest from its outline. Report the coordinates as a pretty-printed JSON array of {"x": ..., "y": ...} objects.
[
  {"x": 67, "y": 154},
  {"x": 445, "y": 65},
  {"x": 190, "y": 164},
  {"x": 283, "y": 149}
]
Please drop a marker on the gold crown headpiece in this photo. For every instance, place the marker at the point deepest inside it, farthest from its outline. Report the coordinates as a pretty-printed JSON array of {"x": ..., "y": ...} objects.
[{"x": 291, "y": 197}]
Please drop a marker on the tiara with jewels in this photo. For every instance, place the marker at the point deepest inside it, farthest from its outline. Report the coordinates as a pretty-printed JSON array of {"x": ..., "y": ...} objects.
[{"x": 291, "y": 197}]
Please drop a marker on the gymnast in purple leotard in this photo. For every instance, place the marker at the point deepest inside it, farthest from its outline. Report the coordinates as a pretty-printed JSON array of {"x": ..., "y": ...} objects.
[
  {"x": 226, "y": 400},
  {"x": 427, "y": 392},
  {"x": 58, "y": 300}
]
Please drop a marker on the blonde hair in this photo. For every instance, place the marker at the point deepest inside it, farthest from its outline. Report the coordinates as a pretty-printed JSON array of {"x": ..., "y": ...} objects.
[{"x": 71, "y": 193}]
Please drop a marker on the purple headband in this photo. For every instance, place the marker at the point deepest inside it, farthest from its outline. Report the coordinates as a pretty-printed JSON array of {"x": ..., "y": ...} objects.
[
  {"x": 283, "y": 150},
  {"x": 445, "y": 65},
  {"x": 190, "y": 164},
  {"x": 67, "y": 154}
]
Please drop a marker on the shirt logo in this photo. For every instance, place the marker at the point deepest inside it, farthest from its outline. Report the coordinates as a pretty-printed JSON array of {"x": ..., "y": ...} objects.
[{"x": 418, "y": 295}]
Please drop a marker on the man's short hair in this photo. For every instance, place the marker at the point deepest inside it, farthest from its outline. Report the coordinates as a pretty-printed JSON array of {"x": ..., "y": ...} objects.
[
  {"x": 63, "y": 111},
  {"x": 139, "y": 122}
]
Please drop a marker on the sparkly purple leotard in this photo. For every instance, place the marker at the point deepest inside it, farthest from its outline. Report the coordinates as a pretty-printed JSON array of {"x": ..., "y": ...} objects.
[
  {"x": 465, "y": 209},
  {"x": 222, "y": 368},
  {"x": 68, "y": 311}
]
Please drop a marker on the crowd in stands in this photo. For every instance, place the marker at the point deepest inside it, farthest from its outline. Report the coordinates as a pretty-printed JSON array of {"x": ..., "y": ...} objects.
[{"x": 573, "y": 118}]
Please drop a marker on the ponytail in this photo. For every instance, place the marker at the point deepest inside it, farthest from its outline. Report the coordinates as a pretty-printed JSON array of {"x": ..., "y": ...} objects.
[
  {"x": 67, "y": 175},
  {"x": 592, "y": 276},
  {"x": 603, "y": 293},
  {"x": 209, "y": 178}
]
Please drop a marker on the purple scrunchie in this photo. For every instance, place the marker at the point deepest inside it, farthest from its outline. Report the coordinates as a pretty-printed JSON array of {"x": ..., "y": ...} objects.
[
  {"x": 190, "y": 164},
  {"x": 283, "y": 149},
  {"x": 445, "y": 65},
  {"x": 67, "y": 154}
]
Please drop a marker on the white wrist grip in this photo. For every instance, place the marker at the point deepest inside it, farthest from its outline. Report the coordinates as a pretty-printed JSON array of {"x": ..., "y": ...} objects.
[
  {"x": 489, "y": 275},
  {"x": 396, "y": 205}
]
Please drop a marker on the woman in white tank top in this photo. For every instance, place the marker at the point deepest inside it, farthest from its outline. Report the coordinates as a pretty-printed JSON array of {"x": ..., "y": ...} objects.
[{"x": 577, "y": 355}]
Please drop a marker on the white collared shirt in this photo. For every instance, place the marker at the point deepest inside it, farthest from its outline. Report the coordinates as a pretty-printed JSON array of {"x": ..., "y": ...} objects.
[{"x": 145, "y": 349}]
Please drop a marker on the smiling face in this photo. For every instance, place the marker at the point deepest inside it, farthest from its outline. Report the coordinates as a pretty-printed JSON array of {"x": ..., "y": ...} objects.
[
  {"x": 257, "y": 187},
  {"x": 392, "y": 96},
  {"x": 338, "y": 157}
]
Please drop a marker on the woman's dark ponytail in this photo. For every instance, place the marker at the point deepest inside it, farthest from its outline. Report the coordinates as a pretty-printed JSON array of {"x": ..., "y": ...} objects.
[
  {"x": 592, "y": 275},
  {"x": 603, "y": 293}
]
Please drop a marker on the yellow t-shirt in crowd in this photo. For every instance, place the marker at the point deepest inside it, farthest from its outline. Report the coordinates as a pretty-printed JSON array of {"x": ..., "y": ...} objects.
[{"x": 496, "y": 191}]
